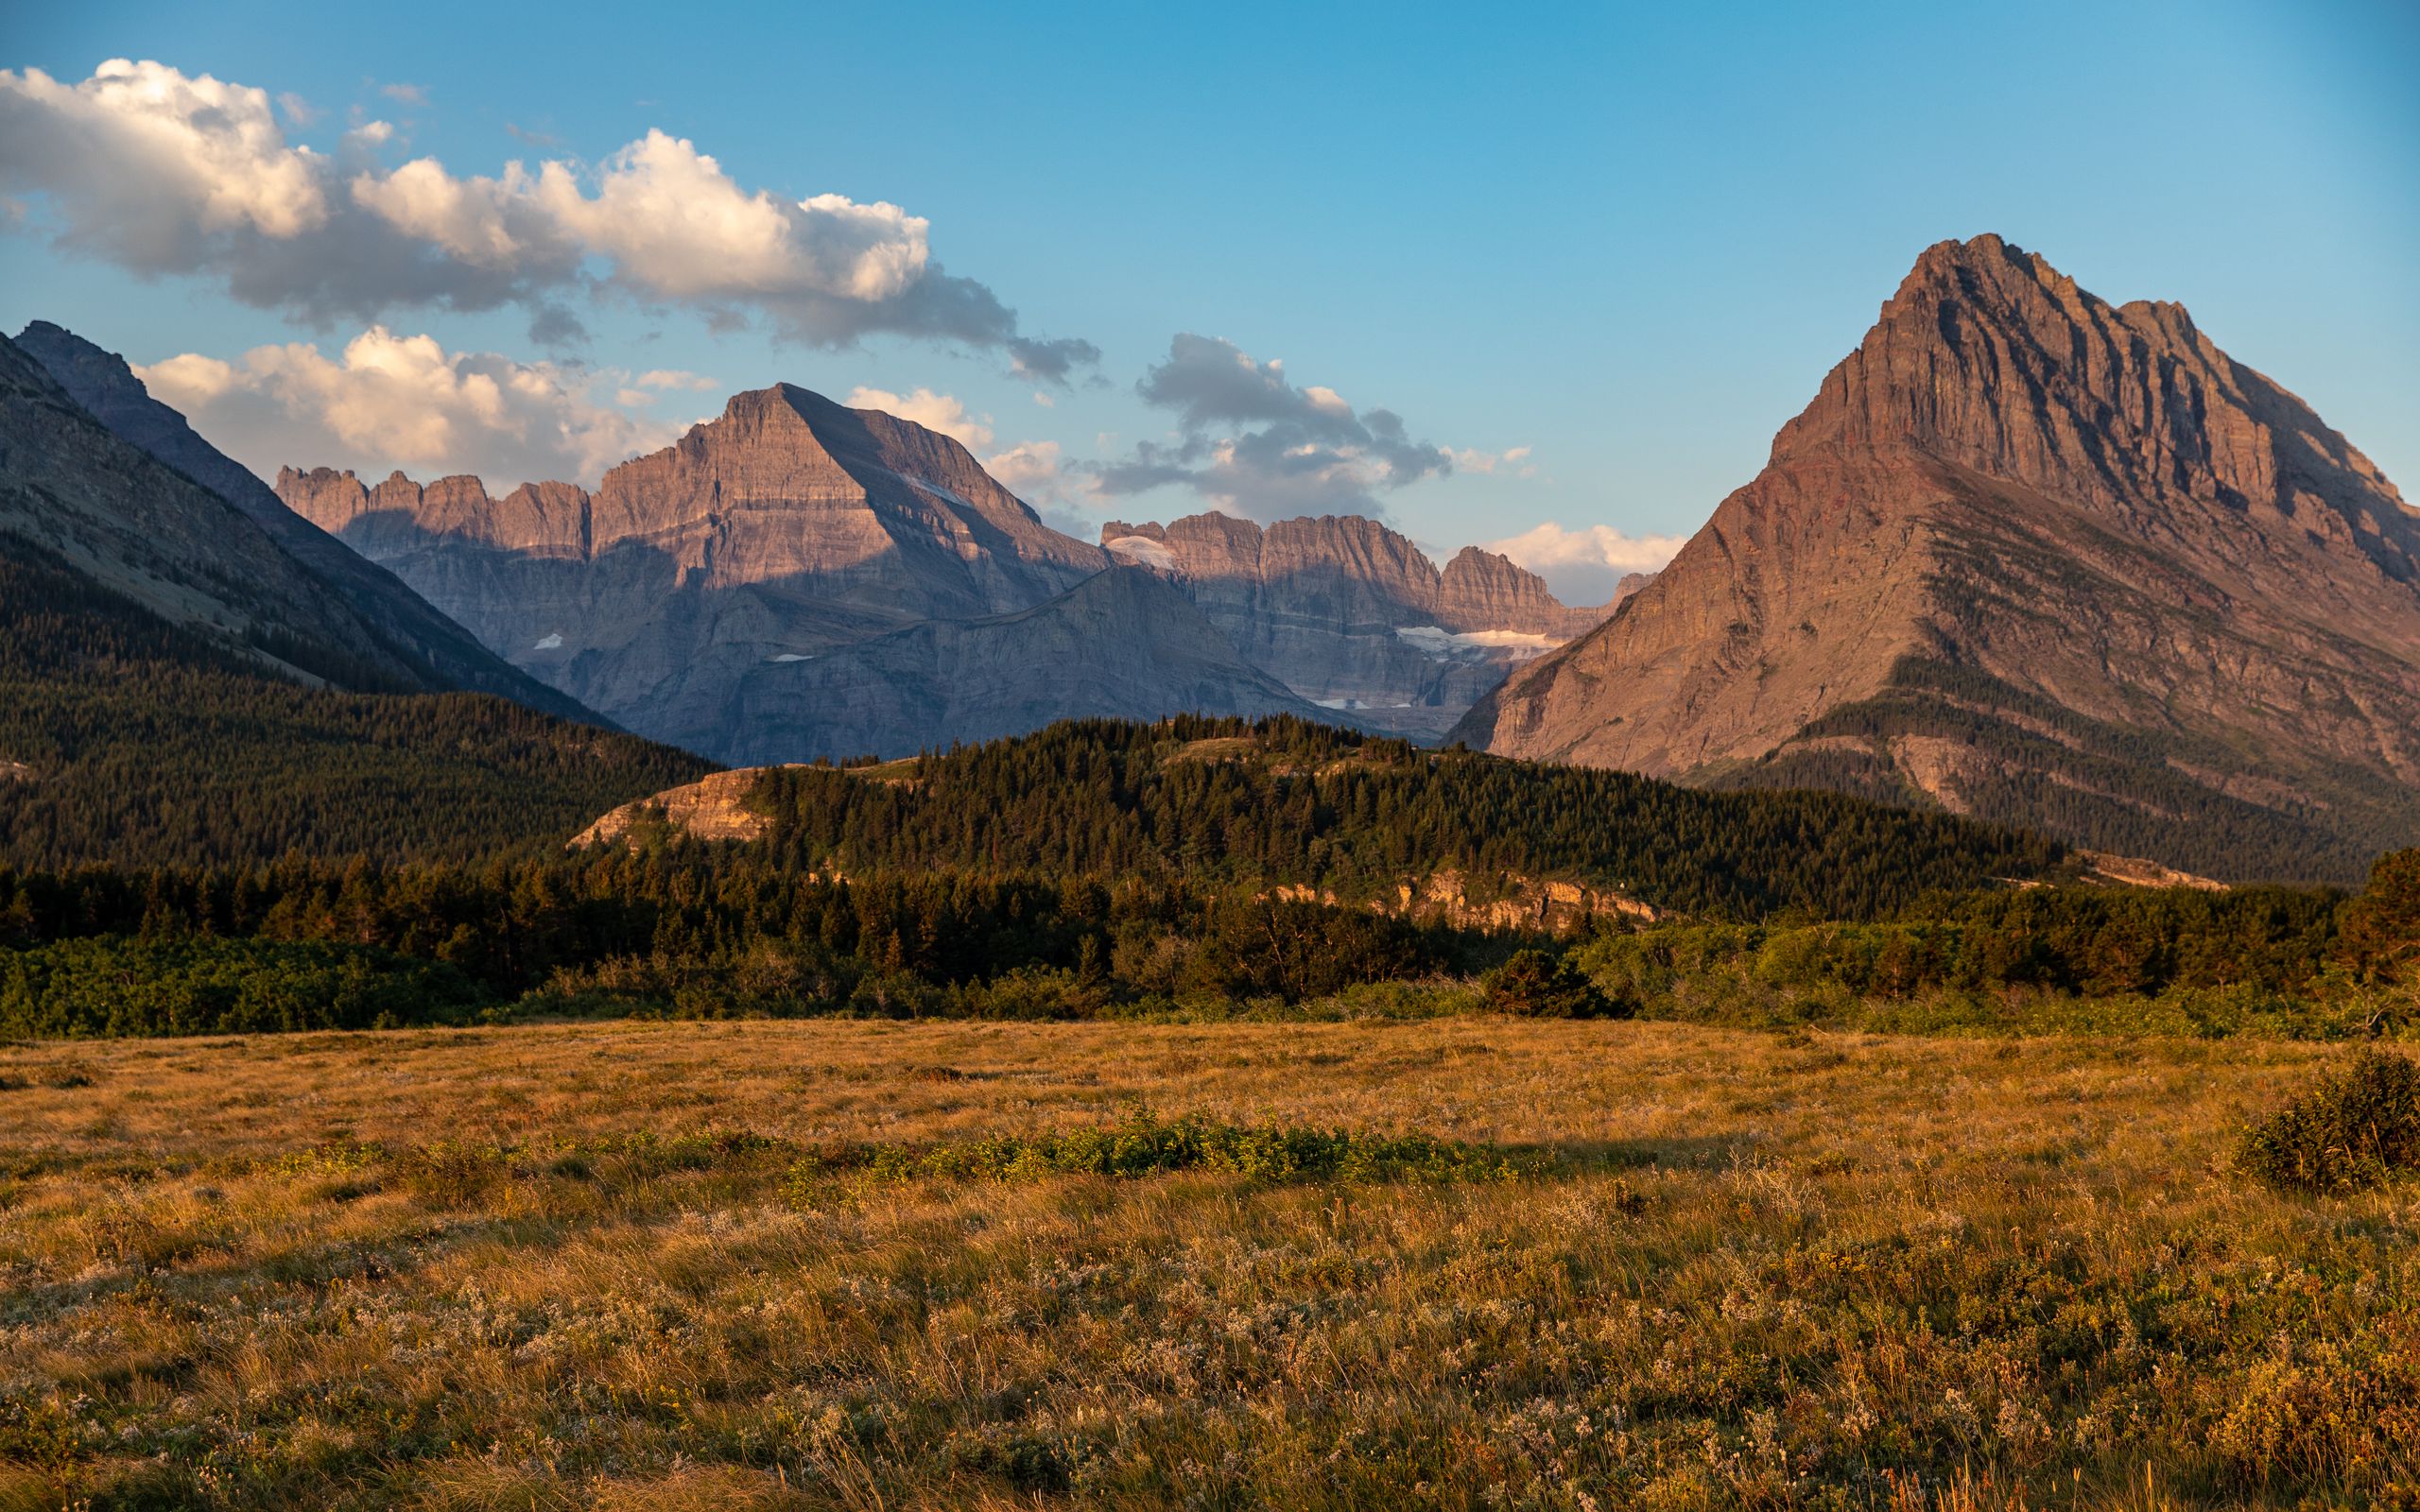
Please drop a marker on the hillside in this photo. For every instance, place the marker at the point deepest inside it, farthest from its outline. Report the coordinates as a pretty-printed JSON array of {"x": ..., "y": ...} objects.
[
  {"x": 128, "y": 740},
  {"x": 2041, "y": 559},
  {"x": 175, "y": 688},
  {"x": 438, "y": 654},
  {"x": 1285, "y": 802}
]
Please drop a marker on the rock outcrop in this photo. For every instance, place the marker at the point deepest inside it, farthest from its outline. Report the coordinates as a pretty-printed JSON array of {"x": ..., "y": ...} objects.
[
  {"x": 441, "y": 654},
  {"x": 1353, "y": 616},
  {"x": 2041, "y": 559}
]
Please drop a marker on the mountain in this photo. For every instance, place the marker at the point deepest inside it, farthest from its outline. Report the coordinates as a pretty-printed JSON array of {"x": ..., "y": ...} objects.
[
  {"x": 439, "y": 654},
  {"x": 2038, "y": 559},
  {"x": 1354, "y": 617},
  {"x": 177, "y": 688},
  {"x": 788, "y": 527},
  {"x": 1121, "y": 645}
]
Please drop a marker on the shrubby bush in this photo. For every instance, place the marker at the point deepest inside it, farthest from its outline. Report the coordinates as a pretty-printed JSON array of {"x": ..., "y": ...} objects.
[
  {"x": 84, "y": 988},
  {"x": 1536, "y": 984},
  {"x": 2352, "y": 1131}
]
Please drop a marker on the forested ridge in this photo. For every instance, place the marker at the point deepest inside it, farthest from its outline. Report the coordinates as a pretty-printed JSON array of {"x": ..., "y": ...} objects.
[
  {"x": 128, "y": 740},
  {"x": 1281, "y": 800}
]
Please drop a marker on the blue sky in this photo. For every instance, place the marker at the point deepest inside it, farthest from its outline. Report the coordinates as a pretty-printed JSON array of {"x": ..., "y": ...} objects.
[{"x": 1623, "y": 243}]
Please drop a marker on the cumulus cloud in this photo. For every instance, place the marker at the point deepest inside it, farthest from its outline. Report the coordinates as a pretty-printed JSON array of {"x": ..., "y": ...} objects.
[
  {"x": 168, "y": 174},
  {"x": 1583, "y": 566},
  {"x": 391, "y": 400},
  {"x": 935, "y": 412},
  {"x": 1254, "y": 444}
]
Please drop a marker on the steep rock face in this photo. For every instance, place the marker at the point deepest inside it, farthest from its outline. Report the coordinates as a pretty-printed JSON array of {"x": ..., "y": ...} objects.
[
  {"x": 787, "y": 527},
  {"x": 2039, "y": 558},
  {"x": 1354, "y": 617},
  {"x": 441, "y": 653},
  {"x": 1123, "y": 644}
]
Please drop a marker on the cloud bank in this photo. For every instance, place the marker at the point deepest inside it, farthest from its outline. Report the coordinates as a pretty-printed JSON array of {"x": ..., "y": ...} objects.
[
  {"x": 1254, "y": 444},
  {"x": 167, "y": 174},
  {"x": 391, "y": 401}
]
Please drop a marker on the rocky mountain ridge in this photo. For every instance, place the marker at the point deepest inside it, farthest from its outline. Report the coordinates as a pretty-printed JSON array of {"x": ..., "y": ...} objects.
[
  {"x": 2042, "y": 558},
  {"x": 796, "y": 580},
  {"x": 1353, "y": 615}
]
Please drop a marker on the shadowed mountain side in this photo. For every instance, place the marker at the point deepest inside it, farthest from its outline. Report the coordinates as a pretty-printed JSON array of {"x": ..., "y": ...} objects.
[
  {"x": 443, "y": 653},
  {"x": 1355, "y": 616},
  {"x": 2046, "y": 561},
  {"x": 1123, "y": 644}
]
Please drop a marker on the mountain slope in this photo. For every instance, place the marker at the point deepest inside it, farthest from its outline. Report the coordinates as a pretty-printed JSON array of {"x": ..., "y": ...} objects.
[
  {"x": 787, "y": 527},
  {"x": 1121, "y": 645},
  {"x": 1354, "y": 616},
  {"x": 175, "y": 688},
  {"x": 2039, "y": 559},
  {"x": 441, "y": 654}
]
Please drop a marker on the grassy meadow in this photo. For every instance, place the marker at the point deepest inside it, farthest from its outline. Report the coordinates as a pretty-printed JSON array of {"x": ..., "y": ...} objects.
[{"x": 836, "y": 1263}]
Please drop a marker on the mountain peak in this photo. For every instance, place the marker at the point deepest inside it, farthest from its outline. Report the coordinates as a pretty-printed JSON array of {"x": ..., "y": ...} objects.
[{"x": 2035, "y": 556}]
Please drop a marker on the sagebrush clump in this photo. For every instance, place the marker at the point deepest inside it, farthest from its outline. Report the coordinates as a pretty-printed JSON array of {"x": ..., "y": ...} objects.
[{"x": 2352, "y": 1131}]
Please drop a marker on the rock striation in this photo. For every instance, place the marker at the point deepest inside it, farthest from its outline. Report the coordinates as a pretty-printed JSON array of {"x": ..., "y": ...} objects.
[
  {"x": 2039, "y": 558},
  {"x": 1352, "y": 615}
]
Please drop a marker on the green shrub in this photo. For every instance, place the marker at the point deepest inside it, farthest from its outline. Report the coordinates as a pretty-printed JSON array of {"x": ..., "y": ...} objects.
[
  {"x": 1141, "y": 1145},
  {"x": 114, "y": 986},
  {"x": 1534, "y": 985},
  {"x": 2351, "y": 1130}
]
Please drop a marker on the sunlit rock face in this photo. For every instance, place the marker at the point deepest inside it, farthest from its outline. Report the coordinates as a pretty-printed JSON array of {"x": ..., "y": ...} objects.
[{"x": 2036, "y": 557}]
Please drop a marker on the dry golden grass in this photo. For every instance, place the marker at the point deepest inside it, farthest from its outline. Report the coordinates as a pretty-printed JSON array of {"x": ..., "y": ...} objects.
[{"x": 487, "y": 1269}]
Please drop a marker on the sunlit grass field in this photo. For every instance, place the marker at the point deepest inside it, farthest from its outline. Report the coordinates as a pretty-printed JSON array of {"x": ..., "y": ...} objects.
[{"x": 743, "y": 1264}]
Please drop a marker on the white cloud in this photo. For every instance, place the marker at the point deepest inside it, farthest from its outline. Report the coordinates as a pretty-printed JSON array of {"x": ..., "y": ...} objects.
[
  {"x": 146, "y": 164},
  {"x": 392, "y": 401},
  {"x": 1551, "y": 545},
  {"x": 405, "y": 93},
  {"x": 676, "y": 378},
  {"x": 935, "y": 412},
  {"x": 163, "y": 174},
  {"x": 1514, "y": 460},
  {"x": 678, "y": 227},
  {"x": 1583, "y": 566},
  {"x": 1028, "y": 469},
  {"x": 298, "y": 110}
]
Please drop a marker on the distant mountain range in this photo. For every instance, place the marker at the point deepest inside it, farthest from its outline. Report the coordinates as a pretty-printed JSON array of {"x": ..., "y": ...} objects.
[
  {"x": 2032, "y": 556},
  {"x": 2027, "y": 556},
  {"x": 798, "y": 579}
]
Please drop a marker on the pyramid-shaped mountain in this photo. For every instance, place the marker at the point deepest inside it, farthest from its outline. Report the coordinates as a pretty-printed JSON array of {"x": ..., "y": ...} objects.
[{"x": 2038, "y": 557}]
